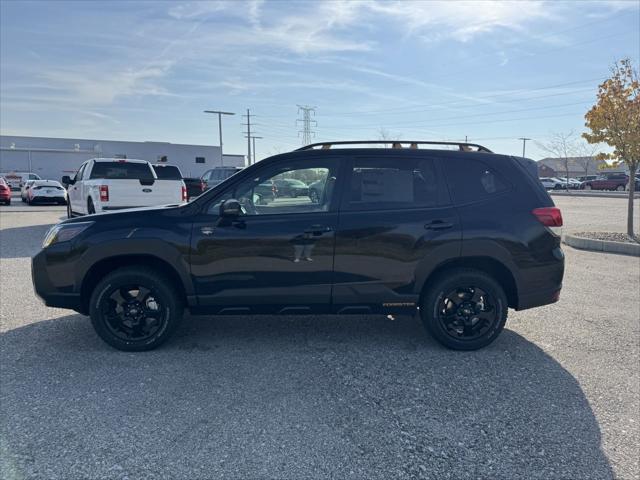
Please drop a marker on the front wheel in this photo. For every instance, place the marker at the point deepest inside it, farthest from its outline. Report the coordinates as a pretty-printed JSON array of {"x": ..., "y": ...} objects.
[
  {"x": 464, "y": 309},
  {"x": 620, "y": 188},
  {"x": 135, "y": 309}
]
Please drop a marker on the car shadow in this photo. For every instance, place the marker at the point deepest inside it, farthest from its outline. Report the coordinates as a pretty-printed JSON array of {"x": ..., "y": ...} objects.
[
  {"x": 19, "y": 242},
  {"x": 278, "y": 397}
]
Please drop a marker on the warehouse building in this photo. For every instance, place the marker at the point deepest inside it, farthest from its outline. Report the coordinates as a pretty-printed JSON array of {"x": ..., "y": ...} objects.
[{"x": 51, "y": 158}]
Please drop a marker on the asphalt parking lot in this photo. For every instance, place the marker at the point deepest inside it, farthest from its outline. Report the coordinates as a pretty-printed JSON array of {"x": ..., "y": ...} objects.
[{"x": 556, "y": 396}]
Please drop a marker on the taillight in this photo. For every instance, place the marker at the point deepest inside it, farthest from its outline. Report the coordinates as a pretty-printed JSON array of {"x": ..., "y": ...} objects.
[
  {"x": 550, "y": 217},
  {"x": 104, "y": 193},
  {"x": 184, "y": 194}
]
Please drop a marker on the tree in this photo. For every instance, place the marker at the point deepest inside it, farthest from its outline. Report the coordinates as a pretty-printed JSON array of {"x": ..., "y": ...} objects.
[
  {"x": 615, "y": 120},
  {"x": 384, "y": 134},
  {"x": 561, "y": 145},
  {"x": 586, "y": 155}
]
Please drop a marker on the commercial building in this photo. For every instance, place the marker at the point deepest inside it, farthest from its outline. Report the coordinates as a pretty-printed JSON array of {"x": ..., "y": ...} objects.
[{"x": 51, "y": 158}]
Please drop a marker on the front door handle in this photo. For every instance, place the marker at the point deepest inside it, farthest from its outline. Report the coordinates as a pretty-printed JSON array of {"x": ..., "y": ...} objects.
[
  {"x": 438, "y": 225},
  {"x": 318, "y": 229}
]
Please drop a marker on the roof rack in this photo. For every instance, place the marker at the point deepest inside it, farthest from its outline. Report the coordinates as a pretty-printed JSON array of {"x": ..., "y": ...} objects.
[{"x": 412, "y": 144}]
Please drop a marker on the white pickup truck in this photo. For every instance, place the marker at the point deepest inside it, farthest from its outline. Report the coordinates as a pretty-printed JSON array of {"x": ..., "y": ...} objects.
[{"x": 105, "y": 184}]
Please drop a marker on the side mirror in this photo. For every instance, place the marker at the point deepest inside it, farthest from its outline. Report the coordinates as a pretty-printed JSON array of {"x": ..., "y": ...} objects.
[
  {"x": 67, "y": 180},
  {"x": 231, "y": 208}
]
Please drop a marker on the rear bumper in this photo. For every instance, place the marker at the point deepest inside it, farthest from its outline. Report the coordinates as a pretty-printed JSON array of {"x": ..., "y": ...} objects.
[
  {"x": 49, "y": 199},
  {"x": 539, "y": 298}
]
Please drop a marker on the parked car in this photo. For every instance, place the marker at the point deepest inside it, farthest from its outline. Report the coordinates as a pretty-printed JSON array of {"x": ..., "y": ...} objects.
[
  {"x": 291, "y": 187},
  {"x": 586, "y": 178},
  {"x": 171, "y": 172},
  {"x": 315, "y": 190},
  {"x": 106, "y": 184},
  {"x": 217, "y": 175},
  {"x": 195, "y": 187},
  {"x": 46, "y": 191},
  {"x": 573, "y": 183},
  {"x": 457, "y": 237},
  {"x": 552, "y": 183},
  {"x": 16, "y": 180},
  {"x": 25, "y": 190},
  {"x": 611, "y": 181},
  {"x": 5, "y": 192}
]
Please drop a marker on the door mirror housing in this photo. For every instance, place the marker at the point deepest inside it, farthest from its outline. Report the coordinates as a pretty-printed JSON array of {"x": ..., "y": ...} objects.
[
  {"x": 231, "y": 208},
  {"x": 66, "y": 180}
]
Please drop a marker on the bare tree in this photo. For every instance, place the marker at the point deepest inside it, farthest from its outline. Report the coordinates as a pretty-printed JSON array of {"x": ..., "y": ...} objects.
[
  {"x": 384, "y": 134},
  {"x": 561, "y": 145},
  {"x": 586, "y": 155}
]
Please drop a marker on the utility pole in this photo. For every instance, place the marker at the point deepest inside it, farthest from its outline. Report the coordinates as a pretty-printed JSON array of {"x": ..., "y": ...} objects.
[
  {"x": 253, "y": 138},
  {"x": 248, "y": 135},
  {"x": 220, "y": 129},
  {"x": 524, "y": 144},
  {"x": 306, "y": 131}
]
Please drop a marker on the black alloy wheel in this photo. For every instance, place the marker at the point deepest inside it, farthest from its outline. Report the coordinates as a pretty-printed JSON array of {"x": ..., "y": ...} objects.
[
  {"x": 135, "y": 308},
  {"x": 467, "y": 313},
  {"x": 464, "y": 309}
]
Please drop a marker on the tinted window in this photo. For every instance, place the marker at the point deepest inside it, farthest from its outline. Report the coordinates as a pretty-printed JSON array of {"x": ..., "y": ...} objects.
[
  {"x": 167, "y": 172},
  {"x": 379, "y": 183},
  {"x": 471, "y": 180},
  {"x": 264, "y": 194},
  {"x": 122, "y": 170}
]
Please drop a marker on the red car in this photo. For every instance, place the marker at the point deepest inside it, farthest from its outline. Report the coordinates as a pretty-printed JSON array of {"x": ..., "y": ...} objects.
[
  {"x": 5, "y": 192},
  {"x": 612, "y": 181}
]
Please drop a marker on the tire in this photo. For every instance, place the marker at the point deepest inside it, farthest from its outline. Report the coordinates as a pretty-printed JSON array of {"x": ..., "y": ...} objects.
[
  {"x": 90, "y": 208},
  {"x": 435, "y": 304},
  {"x": 620, "y": 188},
  {"x": 587, "y": 187},
  {"x": 69, "y": 214},
  {"x": 116, "y": 329},
  {"x": 23, "y": 200}
]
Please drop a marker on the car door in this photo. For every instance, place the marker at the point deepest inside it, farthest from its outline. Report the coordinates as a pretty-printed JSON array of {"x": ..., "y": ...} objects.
[
  {"x": 277, "y": 257},
  {"x": 74, "y": 191},
  {"x": 396, "y": 220}
]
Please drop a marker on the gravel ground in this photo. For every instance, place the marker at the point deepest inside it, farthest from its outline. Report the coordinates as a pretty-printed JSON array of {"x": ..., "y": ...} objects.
[
  {"x": 608, "y": 236},
  {"x": 556, "y": 396}
]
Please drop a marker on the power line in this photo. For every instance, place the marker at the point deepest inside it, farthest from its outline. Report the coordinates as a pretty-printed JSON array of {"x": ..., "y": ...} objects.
[{"x": 306, "y": 131}]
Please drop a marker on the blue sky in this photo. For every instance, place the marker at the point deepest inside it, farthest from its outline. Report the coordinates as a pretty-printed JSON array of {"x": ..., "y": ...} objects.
[{"x": 493, "y": 71}]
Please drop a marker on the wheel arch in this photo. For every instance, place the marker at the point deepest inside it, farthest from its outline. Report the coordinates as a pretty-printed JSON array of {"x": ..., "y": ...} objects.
[
  {"x": 489, "y": 265},
  {"x": 109, "y": 264}
]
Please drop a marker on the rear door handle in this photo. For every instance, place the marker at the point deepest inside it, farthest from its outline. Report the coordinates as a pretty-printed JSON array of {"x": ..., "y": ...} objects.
[
  {"x": 318, "y": 229},
  {"x": 438, "y": 225}
]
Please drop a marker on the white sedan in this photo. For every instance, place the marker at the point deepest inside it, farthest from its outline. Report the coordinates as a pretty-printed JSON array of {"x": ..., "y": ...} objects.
[
  {"x": 46, "y": 191},
  {"x": 24, "y": 191}
]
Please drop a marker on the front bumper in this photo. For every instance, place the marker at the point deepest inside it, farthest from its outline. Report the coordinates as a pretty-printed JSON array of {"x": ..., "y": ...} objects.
[{"x": 52, "y": 282}]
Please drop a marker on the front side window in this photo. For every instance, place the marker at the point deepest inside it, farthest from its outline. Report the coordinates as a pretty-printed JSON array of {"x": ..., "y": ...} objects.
[
  {"x": 393, "y": 183},
  {"x": 471, "y": 180},
  {"x": 285, "y": 189}
]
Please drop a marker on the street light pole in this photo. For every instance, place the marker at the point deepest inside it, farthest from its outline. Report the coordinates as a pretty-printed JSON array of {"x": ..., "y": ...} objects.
[
  {"x": 220, "y": 129},
  {"x": 524, "y": 143}
]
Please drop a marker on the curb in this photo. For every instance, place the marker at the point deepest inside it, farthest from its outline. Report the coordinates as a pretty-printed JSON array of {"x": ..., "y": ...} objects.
[
  {"x": 602, "y": 194},
  {"x": 607, "y": 246}
]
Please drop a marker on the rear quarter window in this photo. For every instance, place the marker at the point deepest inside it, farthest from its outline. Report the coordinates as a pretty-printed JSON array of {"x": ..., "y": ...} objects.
[
  {"x": 472, "y": 180},
  {"x": 121, "y": 171}
]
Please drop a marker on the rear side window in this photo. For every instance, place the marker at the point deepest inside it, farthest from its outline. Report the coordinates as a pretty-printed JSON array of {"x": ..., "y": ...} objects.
[
  {"x": 167, "y": 172},
  {"x": 471, "y": 180},
  {"x": 393, "y": 183},
  {"x": 121, "y": 171}
]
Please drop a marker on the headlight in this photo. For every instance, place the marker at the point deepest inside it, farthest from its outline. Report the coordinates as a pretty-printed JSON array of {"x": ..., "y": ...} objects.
[{"x": 63, "y": 232}]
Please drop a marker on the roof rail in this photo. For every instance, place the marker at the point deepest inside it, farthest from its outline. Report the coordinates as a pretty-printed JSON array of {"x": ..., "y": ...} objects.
[{"x": 412, "y": 144}]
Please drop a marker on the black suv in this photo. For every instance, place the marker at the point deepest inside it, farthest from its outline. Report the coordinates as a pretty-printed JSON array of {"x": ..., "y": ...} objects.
[{"x": 456, "y": 235}]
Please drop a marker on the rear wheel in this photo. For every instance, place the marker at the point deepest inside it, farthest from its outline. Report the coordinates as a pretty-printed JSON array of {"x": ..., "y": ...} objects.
[
  {"x": 135, "y": 309},
  {"x": 464, "y": 309}
]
